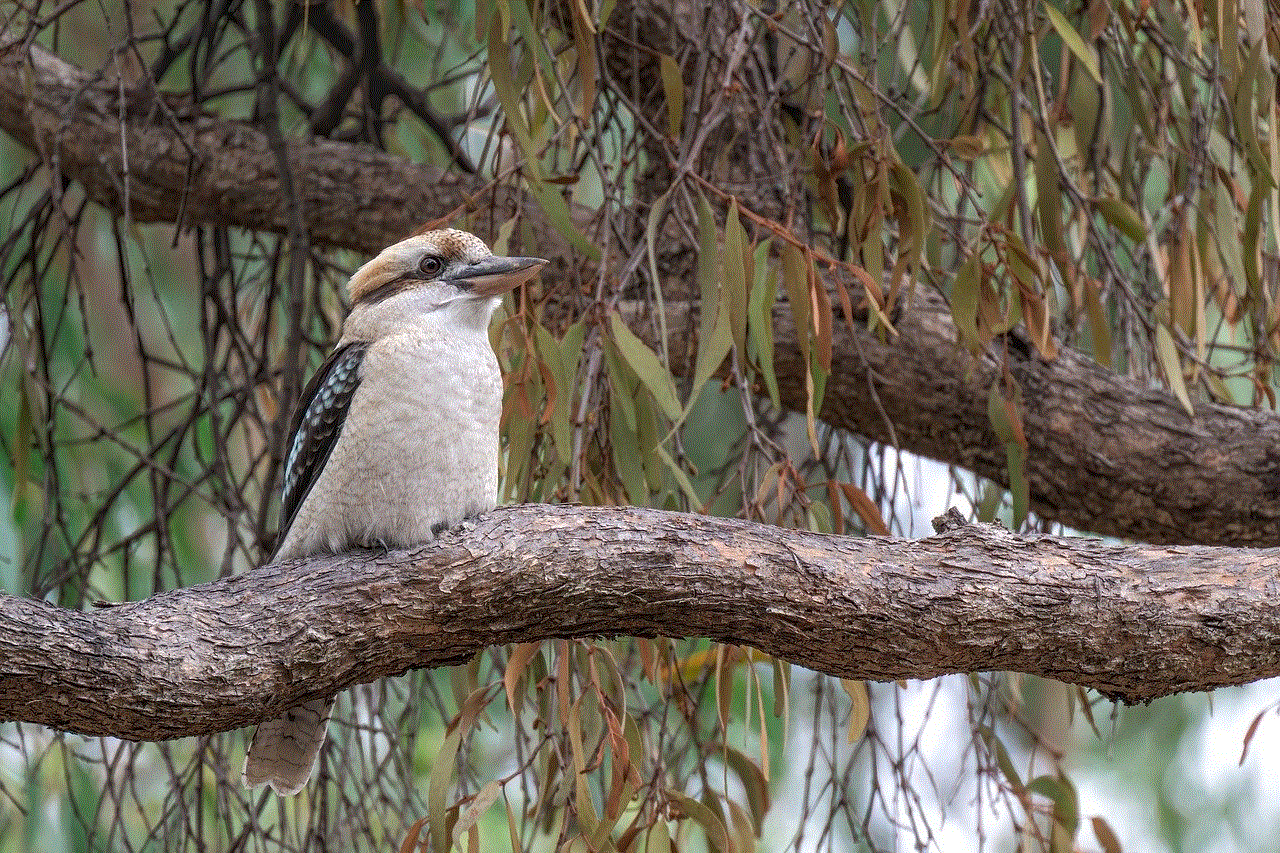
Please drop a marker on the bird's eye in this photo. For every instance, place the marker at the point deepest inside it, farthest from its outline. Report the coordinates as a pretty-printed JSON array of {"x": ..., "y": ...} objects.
[{"x": 431, "y": 266}]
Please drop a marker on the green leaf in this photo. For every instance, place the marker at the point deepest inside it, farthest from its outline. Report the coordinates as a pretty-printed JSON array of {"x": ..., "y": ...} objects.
[
  {"x": 904, "y": 183},
  {"x": 657, "y": 840},
  {"x": 1224, "y": 229},
  {"x": 656, "y": 212},
  {"x": 760, "y": 325},
  {"x": 626, "y": 459},
  {"x": 715, "y": 338},
  {"x": 736, "y": 276},
  {"x": 673, "y": 89},
  {"x": 1252, "y": 225},
  {"x": 1073, "y": 42},
  {"x": 965, "y": 291},
  {"x": 1019, "y": 485},
  {"x": 717, "y": 835},
  {"x": 714, "y": 342},
  {"x": 1121, "y": 216},
  {"x": 623, "y": 382},
  {"x": 682, "y": 479},
  {"x": 1049, "y": 203},
  {"x": 1066, "y": 808},
  {"x": 548, "y": 196},
  {"x": 1003, "y": 761},
  {"x": 438, "y": 789},
  {"x": 641, "y": 359},
  {"x": 754, "y": 783},
  {"x": 819, "y": 518},
  {"x": 1002, "y": 414},
  {"x": 561, "y": 395},
  {"x": 781, "y": 691},
  {"x": 708, "y": 252},
  {"x": 557, "y": 210},
  {"x": 23, "y": 431},
  {"x": 500, "y": 75}
]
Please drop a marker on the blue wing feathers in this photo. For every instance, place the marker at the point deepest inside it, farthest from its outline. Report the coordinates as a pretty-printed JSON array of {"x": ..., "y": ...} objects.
[{"x": 317, "y": 425}]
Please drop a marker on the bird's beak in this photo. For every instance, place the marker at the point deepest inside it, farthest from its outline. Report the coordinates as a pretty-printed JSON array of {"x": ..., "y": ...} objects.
[{"x": 495, "y": 276}]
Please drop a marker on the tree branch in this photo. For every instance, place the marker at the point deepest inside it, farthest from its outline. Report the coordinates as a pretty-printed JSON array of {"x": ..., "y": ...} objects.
[
  {"x": 355, "y": 196},
  {"x": 1132, "y": 622},
  {"x": 1105, "y": 454}
]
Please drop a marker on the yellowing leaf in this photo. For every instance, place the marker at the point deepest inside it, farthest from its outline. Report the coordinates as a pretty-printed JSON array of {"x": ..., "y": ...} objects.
[
  {"x": 1171, "y": 365},
  {"x": 584, "y": 44},
  {"x": 860, "y": 712},
  {"x": 1099, "y": 327},
  {"x": 966, "y": 147},
  {"x": 521, "y": 655},
  {"x": 487, "y": 796},
  {"x": 795, "y": 279}
]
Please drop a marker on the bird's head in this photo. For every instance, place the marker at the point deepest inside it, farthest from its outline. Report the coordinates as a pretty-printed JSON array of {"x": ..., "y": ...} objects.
[{"x": 447, "y": 270}]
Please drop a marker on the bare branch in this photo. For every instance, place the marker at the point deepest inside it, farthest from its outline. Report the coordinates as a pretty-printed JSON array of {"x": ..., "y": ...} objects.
[{"x": 1132, "y": 622}]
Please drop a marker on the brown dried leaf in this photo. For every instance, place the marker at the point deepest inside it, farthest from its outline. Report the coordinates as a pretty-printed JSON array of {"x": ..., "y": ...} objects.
[
  {"x": 1106, "y": 835},
  {"x": 410, "y": 843},
  {"x": 521, "y": 655},
  {"x": 865, "y": 508}
]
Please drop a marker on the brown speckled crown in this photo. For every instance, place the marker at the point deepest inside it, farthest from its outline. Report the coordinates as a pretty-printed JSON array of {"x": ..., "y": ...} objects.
[{"x": 392, "y": 270}]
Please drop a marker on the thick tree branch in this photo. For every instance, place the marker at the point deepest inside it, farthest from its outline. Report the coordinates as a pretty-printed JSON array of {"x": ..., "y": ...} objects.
[
  {"x": 167, "y": 157},
  {"x": 1133, "y": 622},
  {"x": 1105, "y": 454}
]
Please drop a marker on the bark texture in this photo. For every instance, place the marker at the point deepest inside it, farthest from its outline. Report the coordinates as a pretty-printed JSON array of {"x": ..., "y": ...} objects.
[
  {"x": 1132, "y": 622},
  {"x": 1106, "y": 454}
]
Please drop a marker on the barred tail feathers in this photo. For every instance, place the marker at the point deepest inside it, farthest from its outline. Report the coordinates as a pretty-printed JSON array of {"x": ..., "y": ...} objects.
[{"x": 284, "y": 750}]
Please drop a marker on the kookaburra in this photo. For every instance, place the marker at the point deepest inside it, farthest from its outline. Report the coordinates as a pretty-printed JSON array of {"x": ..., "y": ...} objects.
[{"x": 396, "y": 436}]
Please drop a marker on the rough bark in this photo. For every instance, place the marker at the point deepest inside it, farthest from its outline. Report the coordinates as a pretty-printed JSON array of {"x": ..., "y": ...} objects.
[
  {"x": 157, "y": 159},
  {"x": 1106, "y": 454},
  {"x": 1132, "y": 622}
]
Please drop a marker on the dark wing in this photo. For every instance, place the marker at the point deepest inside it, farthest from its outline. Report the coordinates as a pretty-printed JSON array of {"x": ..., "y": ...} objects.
[{"x": 316, "y": 426}]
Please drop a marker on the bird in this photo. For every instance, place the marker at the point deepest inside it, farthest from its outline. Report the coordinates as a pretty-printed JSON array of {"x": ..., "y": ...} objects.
[{"x": 395, "y": 437}]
